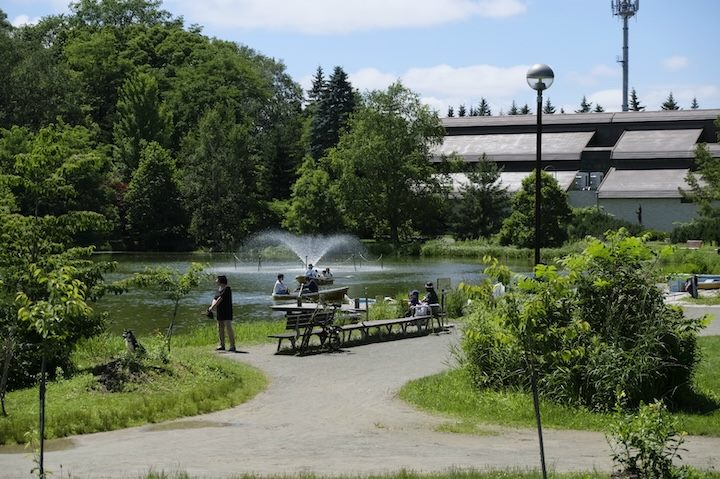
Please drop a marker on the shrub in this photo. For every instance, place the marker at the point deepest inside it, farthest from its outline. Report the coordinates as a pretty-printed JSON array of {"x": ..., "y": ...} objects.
[
  {"x": 592, "y": 221},
  {"x": 600, "y": 328}
]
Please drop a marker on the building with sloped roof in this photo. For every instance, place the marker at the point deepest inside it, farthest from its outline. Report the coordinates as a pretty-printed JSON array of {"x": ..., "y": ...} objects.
[{"x": 632, "y": 164}]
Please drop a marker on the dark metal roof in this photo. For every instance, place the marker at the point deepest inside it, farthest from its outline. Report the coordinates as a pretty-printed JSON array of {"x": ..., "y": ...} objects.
[
  {"x": 643, "y": 183},
  {"x": 515, "y": 147},
  {"x": 583, "y": 118},
  {"x": 650, "y": 144}
]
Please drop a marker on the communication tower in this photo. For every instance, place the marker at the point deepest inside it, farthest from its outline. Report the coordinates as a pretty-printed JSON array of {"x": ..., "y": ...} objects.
[{"x": 625, "y": 9}]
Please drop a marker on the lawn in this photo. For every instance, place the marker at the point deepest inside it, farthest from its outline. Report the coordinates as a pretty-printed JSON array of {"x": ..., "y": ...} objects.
[
  {"x": 112, "y": 390},
  {"x": 468, "y": 410}
]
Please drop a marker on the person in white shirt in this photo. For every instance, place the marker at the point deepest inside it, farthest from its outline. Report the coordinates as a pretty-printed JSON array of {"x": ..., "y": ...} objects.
[{"x": 280, "y": 287}]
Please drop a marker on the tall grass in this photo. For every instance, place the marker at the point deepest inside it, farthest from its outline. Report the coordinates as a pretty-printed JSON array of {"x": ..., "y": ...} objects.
[{"x": 448, "y": 247}]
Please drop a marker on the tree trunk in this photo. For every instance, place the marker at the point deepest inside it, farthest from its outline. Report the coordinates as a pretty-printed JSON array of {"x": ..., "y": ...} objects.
[{"x": 8, "y": 349}]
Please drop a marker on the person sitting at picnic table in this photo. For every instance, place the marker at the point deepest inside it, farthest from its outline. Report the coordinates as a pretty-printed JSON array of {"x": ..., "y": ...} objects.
[
  {"x": 280, "y": 287},
  {"x": 431, "y": 296}
]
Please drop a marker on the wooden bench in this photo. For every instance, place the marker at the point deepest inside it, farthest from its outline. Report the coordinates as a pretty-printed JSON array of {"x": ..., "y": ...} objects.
[
  {"x": 694, "y": 244},
  {"x": 385, "y": 325},
  {"x": 303, "y": 325}
]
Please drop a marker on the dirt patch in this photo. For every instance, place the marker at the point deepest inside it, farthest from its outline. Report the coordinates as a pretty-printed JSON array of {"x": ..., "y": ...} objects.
[{"x": 125, "y": 373}]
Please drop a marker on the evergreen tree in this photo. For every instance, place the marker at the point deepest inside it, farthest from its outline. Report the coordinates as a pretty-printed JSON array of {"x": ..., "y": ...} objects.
[
  {"x": 156, "y": 219},
  {"x": 317, "y": 90},
  {"x": 598, "y": 108},
  {"x": 461, "y": 110},
  {"x": 451, "y": 112},
  {"x": 670, "y": 103},
  {"x": 513, "y": 109},
  {"x": 483, "y": 202},
  {"x": 141, "y": 118},
  {"x": 332, "y": 113},
  {"x": 473, "y": 111},
  {"x": 519, "y": 228},
  {"x": 483, "y": 108},
  {"x": 525, "y": 110},
  {"x": 585, "y": 106},
  {"x": 562, "y": 110},
  {"x": 634, "y": 102},
  {"x": 548, "y": 109},
  {"x": 694, "y": 105}
]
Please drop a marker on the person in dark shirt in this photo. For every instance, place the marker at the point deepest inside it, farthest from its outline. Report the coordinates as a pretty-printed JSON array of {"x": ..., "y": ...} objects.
[
  {"x": 431, "y": 296},
  {"x": 222, "y": 305},
  {"x": 310, "y": 286}
]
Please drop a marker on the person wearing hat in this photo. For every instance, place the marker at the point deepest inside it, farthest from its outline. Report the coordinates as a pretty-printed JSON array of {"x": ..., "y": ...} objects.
[{"x": 431, "y": 296}]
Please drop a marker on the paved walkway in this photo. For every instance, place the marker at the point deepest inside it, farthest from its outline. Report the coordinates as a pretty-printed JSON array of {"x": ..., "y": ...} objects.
[{"x": 328, "y": 414}]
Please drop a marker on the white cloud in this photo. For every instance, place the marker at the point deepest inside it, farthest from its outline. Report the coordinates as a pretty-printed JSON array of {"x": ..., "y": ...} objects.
[
  {"x": 329, "y": 17},
  {"x": 707, "y": 96},
  {"x": 21, "y": 20},
  {"x": 610, "y": 100},
  {"x": 674, "y": 63},
  {"x": 595, "y": 75},
  {"x": 443, "y": 85}
]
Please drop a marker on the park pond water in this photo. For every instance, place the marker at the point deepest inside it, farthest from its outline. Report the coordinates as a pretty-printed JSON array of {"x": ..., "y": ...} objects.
[{"x": 148, "y": 310}]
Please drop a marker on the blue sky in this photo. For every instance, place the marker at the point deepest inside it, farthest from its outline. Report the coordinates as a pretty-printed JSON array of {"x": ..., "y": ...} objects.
[{"x": 456, "y": 51}]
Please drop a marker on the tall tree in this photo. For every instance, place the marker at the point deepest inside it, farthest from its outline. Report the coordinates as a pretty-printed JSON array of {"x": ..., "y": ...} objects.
[
  {"x": 318, "y": 88},
  {"x": 585, "y": 106},
  {"x": 694, "y": 105},
  {"x": 461, "y": 110},
  {"x": 483, "y": 202},
  {"x": 525, "y": 110},
  {"x": 483, "y": 108},
  {"x": 332, "y": 113},
  {"x": 313, "y": 206},
  {"x": 513, "y": 109},
  {"x": 218, "y": 179},
  {"x": 598, "y": 108},
  {"x": 519, "y": 228},
  {"x": 156, "y": 218},
  {"x": 141, "y": 118},
  {"x": 450, "y": 112},
  {"x": 386, "y": 181},
  {"x": 548, "y": 108},
  {"x": 670, "y": 103},
  {"x": 634, "y": 102},
  {"x": 705, "y": 191}
]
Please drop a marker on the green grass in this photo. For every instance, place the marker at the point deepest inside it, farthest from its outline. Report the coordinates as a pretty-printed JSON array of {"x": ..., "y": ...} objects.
[
  {"x": 194, "y": 381},
  {"x": 448, "y": 247},
  {"x": 452, "y": 395},
  {"x": 704, "y": 300}
]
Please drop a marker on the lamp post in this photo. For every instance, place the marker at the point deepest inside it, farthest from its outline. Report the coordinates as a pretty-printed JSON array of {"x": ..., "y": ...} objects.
[{"x": 539, "y": 77}]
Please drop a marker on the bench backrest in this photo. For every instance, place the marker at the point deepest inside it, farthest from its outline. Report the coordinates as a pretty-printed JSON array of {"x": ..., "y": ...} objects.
[{"x": 309, "y": 318}]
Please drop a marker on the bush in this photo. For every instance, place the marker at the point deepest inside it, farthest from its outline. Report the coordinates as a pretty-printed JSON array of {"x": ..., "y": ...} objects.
[
  {"x": 602, "y": 328},
  {"x": 592, "y": 221}
]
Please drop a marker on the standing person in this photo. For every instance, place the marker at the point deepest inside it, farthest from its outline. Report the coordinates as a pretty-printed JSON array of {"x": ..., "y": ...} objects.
[
  {"x": 280, "y": 287},
  {"x": 222, "y": 305}
]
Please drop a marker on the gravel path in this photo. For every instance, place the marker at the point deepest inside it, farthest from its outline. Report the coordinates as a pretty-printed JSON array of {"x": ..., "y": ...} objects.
[{"x": 328, "y": 414}]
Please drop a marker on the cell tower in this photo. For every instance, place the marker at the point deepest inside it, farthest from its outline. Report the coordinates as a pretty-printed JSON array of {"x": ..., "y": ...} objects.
[{"x": 625, "y": 9}]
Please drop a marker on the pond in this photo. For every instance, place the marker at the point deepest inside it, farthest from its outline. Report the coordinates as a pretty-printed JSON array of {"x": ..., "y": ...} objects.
[{"x": 145, "y": 311}]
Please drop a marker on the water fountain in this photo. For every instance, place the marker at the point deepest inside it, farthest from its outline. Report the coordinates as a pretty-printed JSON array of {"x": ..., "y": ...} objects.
[{"x": 309, "y": 249}]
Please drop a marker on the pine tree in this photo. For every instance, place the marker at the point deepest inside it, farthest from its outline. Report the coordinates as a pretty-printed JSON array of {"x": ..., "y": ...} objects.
[
  {"x": 483, "y": 108},
  {"x": 634, "y": 102},
  {"x": 461, "y": 110},
  {"x": 513, "y": 109},
  {"x": 451, "y": 112},
  {"x": 598, "y": 108},
  {"x": 525, "y": 110},
  {"x": 548, "y": 109},
  {"x": 585, "y": 106},
  {"x": 670, "y": 103},
  {"x": 694, "y": 105},
  {"x": 562, "y": 110},
  {"x": 332, "y": 112},
  {"x": 319, "y": 85},
  {"x": 473, "y": 111}
]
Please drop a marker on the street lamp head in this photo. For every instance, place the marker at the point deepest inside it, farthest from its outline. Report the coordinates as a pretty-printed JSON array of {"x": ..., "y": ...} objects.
[{"x": 540, "y": 77}]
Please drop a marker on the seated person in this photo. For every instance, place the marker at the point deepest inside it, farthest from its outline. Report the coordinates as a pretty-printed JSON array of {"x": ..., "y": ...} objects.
[
  {"x": 326, "y": 273},
  {"x": 310, "y": 285},
  {"x": 310, "y": 273},
  {"x": 413, "y": 302},
  {"x": 280, "y": 287},
  {"x": 431, "y": 296}
]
